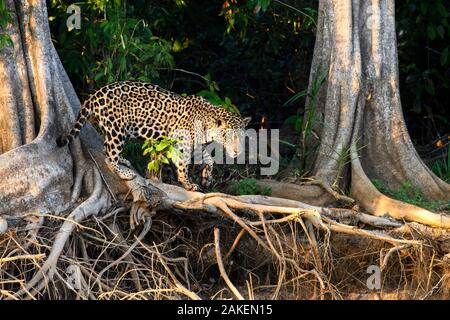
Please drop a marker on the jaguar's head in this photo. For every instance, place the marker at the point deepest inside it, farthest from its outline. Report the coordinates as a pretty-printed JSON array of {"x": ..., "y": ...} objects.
[
  {"x": 229, "y": 130},
  {"x": 222, "y": 126}
]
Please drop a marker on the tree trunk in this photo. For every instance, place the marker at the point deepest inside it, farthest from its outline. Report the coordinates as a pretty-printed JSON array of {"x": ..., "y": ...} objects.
[
  {"x": 358, "y": 115},
  {"x": 37, "y": 103}
]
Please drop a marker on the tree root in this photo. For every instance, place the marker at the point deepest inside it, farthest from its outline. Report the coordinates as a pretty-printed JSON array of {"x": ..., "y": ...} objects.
[
  {"x": 268, "y": 211},
  {"x": 223, "y": 273},
  {"x": 379, "y": 205},
  {"x": 145, "y": 198},
  {"x": 178, "y": 198},
  {"x": 339, "y": 197},
  {"x": 92, "y": 206},
  {"x": 141, "y": 236},
  {"x": 312, "y": 194}
]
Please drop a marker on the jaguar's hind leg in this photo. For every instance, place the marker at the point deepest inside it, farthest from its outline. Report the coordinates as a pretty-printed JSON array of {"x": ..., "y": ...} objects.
[
  {"x": 113, "y": 147},
  {"x": 124, "y": 161}
]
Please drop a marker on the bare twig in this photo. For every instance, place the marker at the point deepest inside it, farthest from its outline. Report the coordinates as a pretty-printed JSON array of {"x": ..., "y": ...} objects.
[{"x": 222, "y": 268}]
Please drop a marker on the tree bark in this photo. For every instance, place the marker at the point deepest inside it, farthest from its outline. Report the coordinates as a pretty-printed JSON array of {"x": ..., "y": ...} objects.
[
  {"x": 37, "y": 102},
  {"x": 359, "y": 105}
]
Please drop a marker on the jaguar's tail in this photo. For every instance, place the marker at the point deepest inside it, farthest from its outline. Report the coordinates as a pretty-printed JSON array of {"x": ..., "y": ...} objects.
[{"x": 83, "y": 116}]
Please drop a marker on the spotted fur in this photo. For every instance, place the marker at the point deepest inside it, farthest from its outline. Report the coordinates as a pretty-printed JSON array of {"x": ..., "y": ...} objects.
[{"x": 137, "y": 109}]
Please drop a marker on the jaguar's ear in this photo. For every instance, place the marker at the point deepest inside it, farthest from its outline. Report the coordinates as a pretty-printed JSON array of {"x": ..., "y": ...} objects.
[{"x": 247, "y": 120}]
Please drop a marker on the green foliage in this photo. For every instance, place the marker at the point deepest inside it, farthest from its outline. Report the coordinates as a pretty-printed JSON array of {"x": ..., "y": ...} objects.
[
  {"x": 5, "y": 19},
  {"x": 442, "y": 167},
  {"x": 133, "y": 152},
  {"x": 212, "y": 95},
  {"x": 304, "y": 122},
  {"x": 249, "y": 186},
  {"x": 160, "y": 152},
  {"x": 254, "y": 56},
  {"x": 408, "y": 193},
  {"x": 308, "y": 116},
  {"x": 110, "y": 46},
  {"x": 256, "y": 63}
]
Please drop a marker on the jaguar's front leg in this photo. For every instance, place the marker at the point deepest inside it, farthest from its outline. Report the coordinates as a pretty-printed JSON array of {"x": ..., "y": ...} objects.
[
  {"x": 183, "y": 176},
  {"x": 181, "y": 164},
  {"x": 206, "y": 174}
]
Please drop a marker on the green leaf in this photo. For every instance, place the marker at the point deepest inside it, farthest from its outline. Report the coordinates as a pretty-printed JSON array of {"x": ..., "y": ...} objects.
[
  {"x": 153, "y": 166},
  {"x": 175, "y": 154},
  {"x": 441, "y": 9},
  {"x": 264, "y": 4},
  {"x": 429, "y": 86},
  {"x": 212, "y": 97},
  {"x": 161, "y": 146},
  {"x": 177, "y": 46},
  {"x": 291, "y": 120},
  {"x": 122, "y": 63},
  {"x": 295, "y": 97},
  {"x": 9, "y": 41},
  {"x": 444, "y": 56},
  {"x": 431, "y": 32},
  {"x": 299, "y": 124},
  {"x": 98, "y": 76},
  {"x": 441, "y": 32}
]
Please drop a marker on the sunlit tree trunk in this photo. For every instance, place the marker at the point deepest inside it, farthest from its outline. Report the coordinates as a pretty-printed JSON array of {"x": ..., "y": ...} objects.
[
  {"x": 358, "y": 114},
  {"x": 37, "y": 102}
]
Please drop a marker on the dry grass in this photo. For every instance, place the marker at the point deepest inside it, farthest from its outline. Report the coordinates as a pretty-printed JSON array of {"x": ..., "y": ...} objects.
[{"x": 176, "y": 258}]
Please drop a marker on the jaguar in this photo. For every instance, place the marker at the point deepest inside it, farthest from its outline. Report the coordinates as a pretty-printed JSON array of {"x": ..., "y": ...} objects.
[{"x": 143, "y": 110}]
